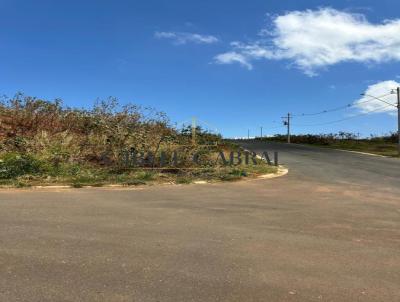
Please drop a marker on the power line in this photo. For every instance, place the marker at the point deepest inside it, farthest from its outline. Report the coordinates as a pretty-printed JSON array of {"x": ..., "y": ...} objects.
[
  {"x": 344, "y": 119},
  {"x": 339, "y": 108},
  {"x": 324, "y": 111},
  {"x": 275, "y": 127}
]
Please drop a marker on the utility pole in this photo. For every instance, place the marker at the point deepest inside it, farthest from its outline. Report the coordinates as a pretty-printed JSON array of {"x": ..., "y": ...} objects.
[
  {"x": 287, "y": 123},
  {"x": 248, "y": 133},
  {"x": 261, "y": 131},
  {"x": 193, "y": 131},
  {"x": 398, "y": 113},
  {"x": 398, "y": 120}
]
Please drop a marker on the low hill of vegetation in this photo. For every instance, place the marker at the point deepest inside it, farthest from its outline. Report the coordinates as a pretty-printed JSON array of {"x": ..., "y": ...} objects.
[{"x": 45, "y": 142}]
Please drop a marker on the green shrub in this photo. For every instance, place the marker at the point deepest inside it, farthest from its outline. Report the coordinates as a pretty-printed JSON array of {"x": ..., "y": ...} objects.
[
  {"x": 134, "y": 182},
  {"x": 238, "y": 172},
  {"x": 183, "y": 180},
  {"x": 145, "y": 175},
  {"x": 13, "y": 165},
  {"x": 229, "y": 177}
]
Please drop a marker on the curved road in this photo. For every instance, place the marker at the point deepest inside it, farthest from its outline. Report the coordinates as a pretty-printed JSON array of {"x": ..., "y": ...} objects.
[
  {"x": 327, "y": 231},
  {"x": 334, "y": 166}
]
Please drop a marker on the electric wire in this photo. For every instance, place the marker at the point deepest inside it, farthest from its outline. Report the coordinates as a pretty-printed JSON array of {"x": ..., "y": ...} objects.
[
  {"x": 342, "y": 107},
  {"x": 343, "y": 119}
]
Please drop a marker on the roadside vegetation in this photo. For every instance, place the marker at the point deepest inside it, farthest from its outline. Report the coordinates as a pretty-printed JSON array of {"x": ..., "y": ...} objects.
[
  {"x": 45, "y": 143},
  {"x": 382, "y": 145}
]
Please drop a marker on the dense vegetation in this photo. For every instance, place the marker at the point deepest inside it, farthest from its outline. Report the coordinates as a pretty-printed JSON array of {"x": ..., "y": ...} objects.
[{"x": 47, "y": 142}]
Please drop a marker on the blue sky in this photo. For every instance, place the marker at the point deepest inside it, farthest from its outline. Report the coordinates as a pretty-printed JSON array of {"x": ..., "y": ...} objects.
[{"x": 236, "y": 65}]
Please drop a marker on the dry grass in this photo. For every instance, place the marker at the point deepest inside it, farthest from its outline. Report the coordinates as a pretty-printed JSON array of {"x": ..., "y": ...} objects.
[{"x": 44, "y": 142}]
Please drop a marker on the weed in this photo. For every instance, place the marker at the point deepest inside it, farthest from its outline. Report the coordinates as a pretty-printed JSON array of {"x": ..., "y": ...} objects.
[
  {"x": 145, "y": 175},
  {"x": 183, "y": 180}
]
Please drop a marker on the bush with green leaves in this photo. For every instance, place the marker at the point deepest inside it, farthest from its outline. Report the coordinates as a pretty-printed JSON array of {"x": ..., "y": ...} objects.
[{"x": 14, "y": 164}]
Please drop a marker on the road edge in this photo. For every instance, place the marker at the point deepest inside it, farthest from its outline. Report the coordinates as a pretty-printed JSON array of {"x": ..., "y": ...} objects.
[{"x": 280, "y": 172}]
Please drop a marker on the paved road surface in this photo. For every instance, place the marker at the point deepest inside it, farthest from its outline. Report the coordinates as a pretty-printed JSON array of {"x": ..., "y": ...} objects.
[
  {"x": 334, "y": 166},
  {"x": 328, "y": 231}
]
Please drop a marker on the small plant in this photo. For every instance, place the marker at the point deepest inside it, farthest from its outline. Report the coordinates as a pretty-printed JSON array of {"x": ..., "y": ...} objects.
[
  {"x": 77, "y": 185},
  {"x": 20, "y": 184},
  {"x": 229, "y": 177},
  {"x": 134, "y": 182},
  {"x": 183, "y": 180},
  {"x": 238, "y": 172},
  {"x": 145, "y": 175}
]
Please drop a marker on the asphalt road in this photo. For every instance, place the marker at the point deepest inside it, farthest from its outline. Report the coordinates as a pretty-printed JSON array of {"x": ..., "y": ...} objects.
[
  {"x": 334, "y": 166},
  {"x": 327, "y": 231}
]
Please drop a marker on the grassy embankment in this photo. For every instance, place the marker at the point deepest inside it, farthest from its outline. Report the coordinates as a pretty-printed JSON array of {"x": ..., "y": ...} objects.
[
  {"x": 380, "y": 145},
  {"x": 45, "y": 143}
]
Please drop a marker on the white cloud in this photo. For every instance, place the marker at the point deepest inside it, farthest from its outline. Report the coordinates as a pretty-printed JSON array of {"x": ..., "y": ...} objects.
[
  {"x": 180, "y": 38},
  {"x": 232, "y": 57},
  {"x": 315, "y": 39},
  {"x": 381, "y": 91}
]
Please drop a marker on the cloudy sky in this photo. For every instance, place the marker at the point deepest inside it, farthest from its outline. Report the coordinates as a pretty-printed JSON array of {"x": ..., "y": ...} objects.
[{"x": 235, "y": 65}]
